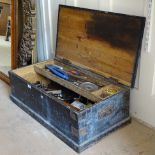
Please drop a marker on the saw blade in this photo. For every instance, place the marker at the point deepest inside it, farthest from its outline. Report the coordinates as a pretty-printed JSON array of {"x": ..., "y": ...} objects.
[{"x": 89, "y": 86}]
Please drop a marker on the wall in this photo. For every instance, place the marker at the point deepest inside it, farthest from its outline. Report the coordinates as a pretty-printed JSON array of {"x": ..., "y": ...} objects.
[{"x": 143, "y": 97}]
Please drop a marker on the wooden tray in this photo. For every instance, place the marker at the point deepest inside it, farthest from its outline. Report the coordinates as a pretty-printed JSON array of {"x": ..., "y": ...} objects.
[{"x": 94, "y": 96}]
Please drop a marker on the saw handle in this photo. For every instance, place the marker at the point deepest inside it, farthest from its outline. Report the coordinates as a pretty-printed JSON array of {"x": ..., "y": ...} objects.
[{"x": 58, "y": 72}]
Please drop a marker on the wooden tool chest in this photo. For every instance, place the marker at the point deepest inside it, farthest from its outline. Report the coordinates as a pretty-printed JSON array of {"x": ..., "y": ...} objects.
[{"x": 98, "y": 52}]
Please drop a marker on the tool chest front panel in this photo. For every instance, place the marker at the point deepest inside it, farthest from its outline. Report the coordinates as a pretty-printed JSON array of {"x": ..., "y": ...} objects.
[
  {"x": 49, "y": 109},
  {"x": 80, "y": 127}
]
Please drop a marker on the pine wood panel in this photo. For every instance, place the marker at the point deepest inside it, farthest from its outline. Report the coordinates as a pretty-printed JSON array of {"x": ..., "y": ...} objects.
[{"x": 105, "y": 43}]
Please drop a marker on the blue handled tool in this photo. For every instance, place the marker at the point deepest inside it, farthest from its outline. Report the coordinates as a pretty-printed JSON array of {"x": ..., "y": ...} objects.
[{"x": 58, "y": 71}]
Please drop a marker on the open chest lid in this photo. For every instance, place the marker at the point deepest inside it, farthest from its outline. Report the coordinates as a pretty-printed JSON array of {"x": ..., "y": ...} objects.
[{"x": 106, "y": 43}]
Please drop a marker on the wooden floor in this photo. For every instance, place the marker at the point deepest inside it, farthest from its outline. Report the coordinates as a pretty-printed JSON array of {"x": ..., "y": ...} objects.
[{"x": 22, "y": 135}]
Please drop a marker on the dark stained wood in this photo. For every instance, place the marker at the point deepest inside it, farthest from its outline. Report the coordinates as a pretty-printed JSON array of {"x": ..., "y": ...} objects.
[
  {"x": 104, "y": 43},
  {"x": 4, "y": 18},
  {"x": 14, "y": 34}
]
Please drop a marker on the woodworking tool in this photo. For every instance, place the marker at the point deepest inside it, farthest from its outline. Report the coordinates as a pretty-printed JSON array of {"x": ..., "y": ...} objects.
[
  {"x": 89, "y": 86},
  {"x": 78, "y": 105},
  {"x": 112, "y": 91},
  {"x": 54, "y": 92},
  {"x": 58, "y": 66},
  {"x": 73, "y": 72},
  {"x": 56, "y": 70}
]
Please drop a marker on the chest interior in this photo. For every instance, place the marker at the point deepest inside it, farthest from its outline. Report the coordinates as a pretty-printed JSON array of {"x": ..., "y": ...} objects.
[
  {"x": 40, "y": 77},
  {"x": 98, "y": 50}
]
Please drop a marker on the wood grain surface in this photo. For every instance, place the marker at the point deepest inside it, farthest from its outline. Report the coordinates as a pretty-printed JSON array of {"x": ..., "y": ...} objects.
[{"x": 103, "y": 42}]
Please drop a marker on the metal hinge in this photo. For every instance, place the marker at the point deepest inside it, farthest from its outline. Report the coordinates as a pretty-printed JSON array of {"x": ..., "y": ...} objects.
[
  {"x": 79, "y": 132},
  {"x": 105, "y": 112}
]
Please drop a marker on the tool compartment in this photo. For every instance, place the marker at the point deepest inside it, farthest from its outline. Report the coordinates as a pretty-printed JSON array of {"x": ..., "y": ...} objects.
[
  {"x": 83, "y": 94},
  {"x": 50, "y": 84},
  {"x": 91, "y": 95}
]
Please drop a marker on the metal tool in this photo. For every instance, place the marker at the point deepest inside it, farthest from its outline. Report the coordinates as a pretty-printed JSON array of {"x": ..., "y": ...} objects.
[
  {"x": 73, "y": 72},
  {"x": 54, "y": 92},
  {"x": 89, "y": 86},
  {"x": 58, "y": 66},
  {"x": 40, "y": 85},
  {"x": 112, "y": 91},
  {"x": 37, "y": 83},
  {"x": 58, "y": 71},
  {"x": 78, "y": 105}
]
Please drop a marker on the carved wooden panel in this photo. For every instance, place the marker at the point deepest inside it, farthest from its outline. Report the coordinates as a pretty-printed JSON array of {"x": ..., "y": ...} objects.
[{"x": 27, "y": 41}]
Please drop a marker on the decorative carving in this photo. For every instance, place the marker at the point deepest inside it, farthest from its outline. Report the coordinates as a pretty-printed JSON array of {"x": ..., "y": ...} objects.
[{"x": 29, "y": 32}]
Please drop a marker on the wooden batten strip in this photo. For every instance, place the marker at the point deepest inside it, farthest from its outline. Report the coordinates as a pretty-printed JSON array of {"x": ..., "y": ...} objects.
[{"x": 4, "y": 77}]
